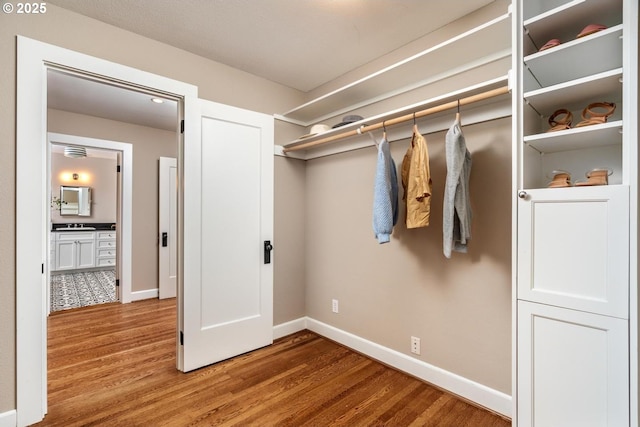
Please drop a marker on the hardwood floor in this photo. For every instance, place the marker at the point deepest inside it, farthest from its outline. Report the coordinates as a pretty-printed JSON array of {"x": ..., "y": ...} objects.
[{"x": 114, "y": 365}]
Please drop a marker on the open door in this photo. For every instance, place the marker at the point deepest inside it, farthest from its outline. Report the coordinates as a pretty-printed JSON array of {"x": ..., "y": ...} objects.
[
  {"x": 227, "y": 218},
  {"x": 168, "y": 227}
]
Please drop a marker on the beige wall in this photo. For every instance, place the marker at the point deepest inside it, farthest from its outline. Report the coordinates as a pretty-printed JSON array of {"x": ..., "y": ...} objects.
[
  {"x": 461, "y": 307},
  {"x": 148, "y": 146},
  {"x": 99, "y": 173},
  {"x": 289, "y": 247}
]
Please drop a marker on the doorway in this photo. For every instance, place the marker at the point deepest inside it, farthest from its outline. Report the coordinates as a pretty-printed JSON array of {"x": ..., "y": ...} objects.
[
  {"x": 83, "y": 265},
  {"x": 34, "y": 59},
  {"x": 123, "y": 200}
]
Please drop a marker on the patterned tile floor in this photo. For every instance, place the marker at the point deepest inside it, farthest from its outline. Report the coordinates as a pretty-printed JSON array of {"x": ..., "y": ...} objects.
[{"x": 81, "y": 289}]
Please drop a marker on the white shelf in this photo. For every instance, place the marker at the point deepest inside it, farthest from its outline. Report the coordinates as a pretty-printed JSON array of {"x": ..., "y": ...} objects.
[
  {"x": 572, "y": 95},
  {"x": 579, "y": 58},
  {"x": 435, "y": 63},
  {"x": 577, "y": 138},
  {"x": 477, "y": 112},
  {"x": 553, "y": 23}
]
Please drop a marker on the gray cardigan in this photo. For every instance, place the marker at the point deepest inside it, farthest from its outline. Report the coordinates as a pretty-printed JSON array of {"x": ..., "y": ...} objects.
[
  {"x": 385, "y": 194},
  {"x": 456, "y": 206}
]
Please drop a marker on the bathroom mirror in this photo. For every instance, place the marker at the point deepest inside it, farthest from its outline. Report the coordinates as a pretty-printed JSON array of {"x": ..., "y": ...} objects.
[{"x": 75, "y": 200}]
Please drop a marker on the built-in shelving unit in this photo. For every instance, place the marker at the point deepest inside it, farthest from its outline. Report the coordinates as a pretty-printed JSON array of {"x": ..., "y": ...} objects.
[
  {"x": 576, "y": 273},
  {"x": 572, "y": 75}
]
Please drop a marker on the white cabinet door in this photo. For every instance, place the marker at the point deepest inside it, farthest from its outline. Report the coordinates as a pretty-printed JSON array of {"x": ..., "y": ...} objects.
[
  {"x": 572, "y": 368},
  {"x": 86, "y": 250},
  {"x": 65, "y": 255},
  {"x": 573, "y": 248}
]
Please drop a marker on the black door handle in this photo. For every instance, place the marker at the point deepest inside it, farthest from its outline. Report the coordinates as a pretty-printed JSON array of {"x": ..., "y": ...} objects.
[
  {"x": 164, "y": 239},
  {"x": 268, "y": 247}
]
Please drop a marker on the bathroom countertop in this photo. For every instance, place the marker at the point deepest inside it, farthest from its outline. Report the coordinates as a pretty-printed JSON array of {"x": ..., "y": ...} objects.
[{"x": 97, "y": 226}]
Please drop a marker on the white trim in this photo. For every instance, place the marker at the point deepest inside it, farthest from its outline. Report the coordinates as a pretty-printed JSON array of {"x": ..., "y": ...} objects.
[
  {"x": 8, "y": 419},
  {"x": 480, "y": 394},
  {"x": 125, "y": 227},
  {"x": 33, "y": 60},
  {"x": 146, "y": 294},
  {"x": 288, "y": 328}
]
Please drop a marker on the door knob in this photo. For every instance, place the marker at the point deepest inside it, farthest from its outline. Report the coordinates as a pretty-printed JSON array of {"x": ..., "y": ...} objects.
[{"x": 522, "y": 194}]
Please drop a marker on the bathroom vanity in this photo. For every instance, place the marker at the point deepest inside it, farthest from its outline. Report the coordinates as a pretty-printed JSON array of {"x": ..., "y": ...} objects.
[{"x": 82, "y": 246}]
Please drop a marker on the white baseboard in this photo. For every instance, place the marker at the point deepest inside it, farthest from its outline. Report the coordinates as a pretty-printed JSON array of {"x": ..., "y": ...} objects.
[
  {"x": 146, "y": 294},
  {"x": 288, "y": 328},
  {"x": 482, "y": 395},
  {"x": 8, "y": 419}
]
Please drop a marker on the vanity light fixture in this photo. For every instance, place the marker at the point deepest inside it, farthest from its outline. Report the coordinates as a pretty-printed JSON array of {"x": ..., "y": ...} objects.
[
  {"x": 157, "y": 100},
  {"x": 75, "y": 176},
  {"x": 75, "y": 152}
]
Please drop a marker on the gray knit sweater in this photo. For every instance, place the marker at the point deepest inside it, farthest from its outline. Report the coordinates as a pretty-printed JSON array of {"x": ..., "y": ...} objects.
[{"x": 456, "y": 206}]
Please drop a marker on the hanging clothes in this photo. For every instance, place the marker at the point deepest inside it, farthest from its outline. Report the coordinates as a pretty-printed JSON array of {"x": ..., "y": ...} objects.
[
  {"x": 456, "y": 205},
  {"x": 416, "y": 180},
  {"x": 385, "y": 194}
]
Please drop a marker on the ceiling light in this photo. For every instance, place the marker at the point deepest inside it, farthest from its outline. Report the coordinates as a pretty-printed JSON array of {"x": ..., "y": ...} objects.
[
  {"x": 157, "y": 100},
  {"x": 75, "y": 152}
]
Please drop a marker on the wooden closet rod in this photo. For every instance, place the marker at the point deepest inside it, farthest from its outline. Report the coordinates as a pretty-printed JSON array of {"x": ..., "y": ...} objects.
[{"x": 407, "y": 117}]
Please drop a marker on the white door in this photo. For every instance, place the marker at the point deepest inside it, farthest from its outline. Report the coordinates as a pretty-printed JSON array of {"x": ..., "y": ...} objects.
[
  {"x": 573, "y": 368},
  {"x": 168, "y": 227},
  {"x": 227, "y": 217},
  {"x": 573, "y": 248}
]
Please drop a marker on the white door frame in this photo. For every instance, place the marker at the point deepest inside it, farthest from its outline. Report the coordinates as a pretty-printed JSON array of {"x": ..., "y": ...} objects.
[
  {"x": 125, "y": 194},
  {"x": 33, "y": 60}
]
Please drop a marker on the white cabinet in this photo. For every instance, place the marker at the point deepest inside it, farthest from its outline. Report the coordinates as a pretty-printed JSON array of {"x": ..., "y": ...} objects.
[
  {"x": 572, "y": 369},
  {"x": 75, "y": 250},
  {"x": 573, "y": 248},
  {"x": 105, "y": 248},
  {"x": 576, "y": 246}
]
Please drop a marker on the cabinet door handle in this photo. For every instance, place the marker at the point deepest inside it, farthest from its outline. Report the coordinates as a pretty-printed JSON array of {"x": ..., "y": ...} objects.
[
  {"x": 522, "y": 194},
  {"x": 164, "y": 239}
]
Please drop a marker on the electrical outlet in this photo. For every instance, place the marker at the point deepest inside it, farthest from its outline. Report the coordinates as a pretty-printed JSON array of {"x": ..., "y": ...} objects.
[
  {"x": 415, "y": 345},
  {"x": 334, "y": 305}
]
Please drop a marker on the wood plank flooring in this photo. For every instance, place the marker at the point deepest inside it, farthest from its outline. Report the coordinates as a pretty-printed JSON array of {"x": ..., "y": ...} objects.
[{"x": 114, "y": 365}]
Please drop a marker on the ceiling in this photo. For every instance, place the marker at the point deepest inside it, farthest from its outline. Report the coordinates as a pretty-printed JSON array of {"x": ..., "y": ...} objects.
[
  {"x": 69, "y": 92},
  {"x": 301, "y": 44}
]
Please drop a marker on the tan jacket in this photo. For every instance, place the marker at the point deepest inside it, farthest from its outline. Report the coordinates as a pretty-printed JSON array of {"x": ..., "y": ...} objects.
[{"x": 416, "y": 180}]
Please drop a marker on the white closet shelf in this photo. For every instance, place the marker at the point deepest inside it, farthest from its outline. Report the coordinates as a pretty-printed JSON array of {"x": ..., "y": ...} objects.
[
  {"x": 481, "y": 102},
  {"x": 605, "y": 86},
  {"x": 552, "y": 24},
  {"x": 435, "y": 63},
  {"x": 577, "y": 138},
  {"x": 579, "y": 58}
]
